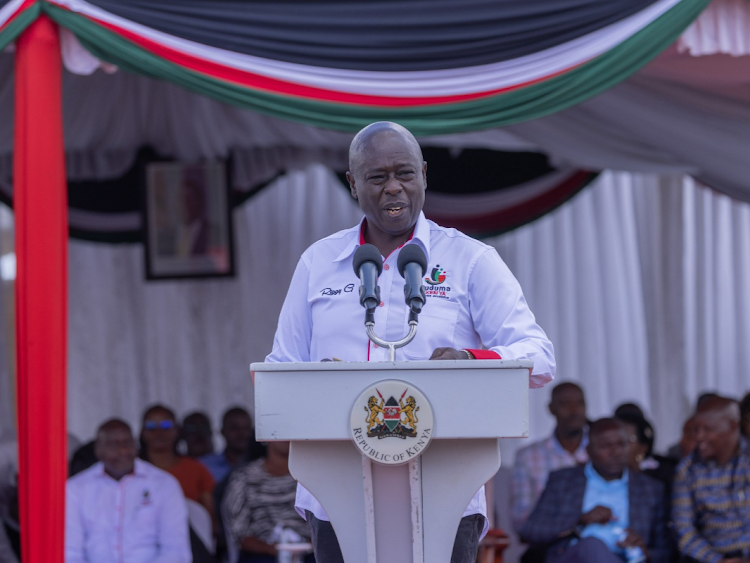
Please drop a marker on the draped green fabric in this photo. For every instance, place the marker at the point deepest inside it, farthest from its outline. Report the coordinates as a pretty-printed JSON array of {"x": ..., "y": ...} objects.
[
  {"x": 16, "y": 26},
  {"x": 524, "y": 104}
]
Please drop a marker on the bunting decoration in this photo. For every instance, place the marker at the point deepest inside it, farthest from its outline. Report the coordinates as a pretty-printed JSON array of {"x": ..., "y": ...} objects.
[{"x": 441, "y": 68}]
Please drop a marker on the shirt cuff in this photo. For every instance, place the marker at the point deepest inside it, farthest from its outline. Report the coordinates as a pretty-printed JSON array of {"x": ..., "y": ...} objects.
[{"x": 484, "y": 354}]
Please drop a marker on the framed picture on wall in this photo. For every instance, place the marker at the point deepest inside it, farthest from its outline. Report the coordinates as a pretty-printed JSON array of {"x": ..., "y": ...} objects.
[{"x": 188, "y": 221}]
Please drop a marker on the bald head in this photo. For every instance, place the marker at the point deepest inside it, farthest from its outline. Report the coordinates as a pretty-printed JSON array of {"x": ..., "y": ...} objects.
[
  {"x": 717, "y": 427},
  {"x": 721, "y": 406},
  {"x": 113, "y": 424},
  {"x": 115, "y": 448},
  {"x": 363, "y": 140}
]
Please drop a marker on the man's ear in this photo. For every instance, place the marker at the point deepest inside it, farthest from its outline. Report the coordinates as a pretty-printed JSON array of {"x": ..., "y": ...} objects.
[
  {"x": 97, "y": 451},
  {"x": 352, "y": 187},
  {"x": 424, "y": 173}
]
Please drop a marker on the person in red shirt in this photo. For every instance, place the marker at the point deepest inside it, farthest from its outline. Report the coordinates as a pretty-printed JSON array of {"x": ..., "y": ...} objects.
[{"x": 159, "y": 436}]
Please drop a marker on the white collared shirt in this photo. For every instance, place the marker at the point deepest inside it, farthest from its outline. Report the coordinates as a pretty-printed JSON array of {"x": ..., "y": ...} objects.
[
  {"x": 142, "y": 518},
  {"x": 474, "y": 301}
]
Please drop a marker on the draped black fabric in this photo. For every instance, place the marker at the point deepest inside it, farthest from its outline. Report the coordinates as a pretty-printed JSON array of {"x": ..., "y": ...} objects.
[{"x": 381, "y": 35}]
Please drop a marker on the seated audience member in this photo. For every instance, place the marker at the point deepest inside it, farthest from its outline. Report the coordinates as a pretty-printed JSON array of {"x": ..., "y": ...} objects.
[
  {"x": 83, "y": 458},
  {"x": 255, "y": 450},
  {"x": 237, "y": 429},
  {"x": 745, "y": 416},
  {"x": 159, "y": 438},
  {"x": 600, "y": 513},
  {"x": 687, "y": 442},
  {"x": 641, "y": 456},
  {"x": 259, "y": 503},
  {"x": 198, "y": 435},
  {"x": 8, "y": 494},
  {"x": 711, "y": 499},
  {"x": 565, "y": 448},
  {"x": 123, "y": 509},
  {"x": 629, "y": 409}
]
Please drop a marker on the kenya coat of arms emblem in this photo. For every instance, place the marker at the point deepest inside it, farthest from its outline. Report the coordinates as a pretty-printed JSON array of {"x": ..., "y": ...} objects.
[{"x": 392, "y": 418}]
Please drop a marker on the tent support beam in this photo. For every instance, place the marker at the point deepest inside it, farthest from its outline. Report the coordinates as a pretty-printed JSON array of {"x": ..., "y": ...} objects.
[{"x": 40, "y": 203}]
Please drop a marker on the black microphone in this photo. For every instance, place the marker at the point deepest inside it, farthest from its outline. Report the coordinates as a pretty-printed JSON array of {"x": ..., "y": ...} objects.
[
  {"x": 368, "y": 265},
  {"x": 412, "y": 264}
]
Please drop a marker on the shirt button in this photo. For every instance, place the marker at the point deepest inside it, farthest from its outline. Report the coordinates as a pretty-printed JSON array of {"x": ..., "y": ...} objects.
[
  {"x": 381, "y": 303},
  {"x": 386, "y": 267}
]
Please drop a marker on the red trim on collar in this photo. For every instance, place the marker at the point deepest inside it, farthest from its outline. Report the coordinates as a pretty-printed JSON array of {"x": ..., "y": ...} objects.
[
  {"x": 484, "y": 354},
  {"x": 362, "y": 234}
]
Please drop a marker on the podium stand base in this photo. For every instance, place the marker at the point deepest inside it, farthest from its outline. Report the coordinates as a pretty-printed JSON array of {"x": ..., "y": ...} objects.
[{"x": 452, "y": 470}]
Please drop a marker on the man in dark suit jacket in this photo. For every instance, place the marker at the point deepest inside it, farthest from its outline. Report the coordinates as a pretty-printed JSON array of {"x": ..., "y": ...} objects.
[{"x": 602, "y": 512}]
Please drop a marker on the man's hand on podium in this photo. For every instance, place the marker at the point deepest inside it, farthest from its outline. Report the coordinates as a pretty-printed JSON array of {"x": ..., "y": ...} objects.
[{"x": 450, "y": 354}]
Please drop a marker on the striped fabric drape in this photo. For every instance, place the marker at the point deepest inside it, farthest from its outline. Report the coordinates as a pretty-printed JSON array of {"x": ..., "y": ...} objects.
[{"x": 441, "y": 81}]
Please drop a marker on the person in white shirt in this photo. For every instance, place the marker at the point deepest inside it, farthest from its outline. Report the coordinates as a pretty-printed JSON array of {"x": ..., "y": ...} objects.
[
  {"x": 123, "y": 509},
  {"x": 475, "y": 307}
]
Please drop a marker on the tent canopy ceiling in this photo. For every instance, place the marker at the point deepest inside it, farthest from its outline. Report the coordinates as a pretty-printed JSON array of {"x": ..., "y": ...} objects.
[{"x": 679, "y": 113}]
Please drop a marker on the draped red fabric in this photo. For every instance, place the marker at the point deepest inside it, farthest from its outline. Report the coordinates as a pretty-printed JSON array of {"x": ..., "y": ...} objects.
[{"x": 40, "y": 203}]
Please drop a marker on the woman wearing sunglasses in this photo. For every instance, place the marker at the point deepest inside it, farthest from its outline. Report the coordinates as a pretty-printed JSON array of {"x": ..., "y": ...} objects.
[{"x": 159, "y": 437}]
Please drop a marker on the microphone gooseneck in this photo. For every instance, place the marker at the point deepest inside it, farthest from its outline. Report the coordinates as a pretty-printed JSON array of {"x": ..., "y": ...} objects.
[
  {"x": 368, "y": 265},
  {"x": 412, "y": 265}
]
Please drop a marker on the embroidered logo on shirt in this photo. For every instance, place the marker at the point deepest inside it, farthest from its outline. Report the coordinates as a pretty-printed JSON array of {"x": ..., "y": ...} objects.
[
  {"x": 146, "y": 497},
  {"x": 437, "y": 276}
]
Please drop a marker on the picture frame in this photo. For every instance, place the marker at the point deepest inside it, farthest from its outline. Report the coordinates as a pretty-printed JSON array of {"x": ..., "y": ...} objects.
[{"x": 188, "y": 231}]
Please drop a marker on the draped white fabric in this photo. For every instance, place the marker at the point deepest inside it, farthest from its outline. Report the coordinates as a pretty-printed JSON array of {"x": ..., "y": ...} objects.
[
  {"x": 723, "y": 27},
  {"x": 640, "y": 282},
  {"x": 680, "y": 114}
]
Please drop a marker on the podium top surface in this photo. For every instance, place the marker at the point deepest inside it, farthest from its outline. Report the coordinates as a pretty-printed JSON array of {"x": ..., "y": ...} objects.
[
  {"x": 314, "y": 400},
  {"x": 432, "y": 365}
]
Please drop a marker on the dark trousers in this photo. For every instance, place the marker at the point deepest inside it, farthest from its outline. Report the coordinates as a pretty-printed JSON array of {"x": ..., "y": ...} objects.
[
  {"x": 258, "y": 558},
  {"x": 587, "y": 550},
  {"x": 465, "y": 548}
]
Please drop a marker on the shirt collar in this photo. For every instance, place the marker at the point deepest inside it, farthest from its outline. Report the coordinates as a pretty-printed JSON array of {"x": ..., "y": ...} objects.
[
  {"x": 421, "y": 235},
  {"x": 593, "y": 475},
  {"x": 139, "y": 470},
  {"x": 581, "y": 449}
]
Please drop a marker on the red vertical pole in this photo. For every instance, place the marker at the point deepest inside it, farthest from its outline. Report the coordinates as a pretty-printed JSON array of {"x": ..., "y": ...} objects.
[{"x": 40, "y": 204}]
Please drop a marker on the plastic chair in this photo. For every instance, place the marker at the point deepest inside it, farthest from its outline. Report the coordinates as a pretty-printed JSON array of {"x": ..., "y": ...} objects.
[{"x": 200, "y": 521}]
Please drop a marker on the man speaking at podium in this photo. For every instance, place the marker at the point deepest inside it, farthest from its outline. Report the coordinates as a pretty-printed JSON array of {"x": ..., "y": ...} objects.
[{"x": 474, "y": 308}]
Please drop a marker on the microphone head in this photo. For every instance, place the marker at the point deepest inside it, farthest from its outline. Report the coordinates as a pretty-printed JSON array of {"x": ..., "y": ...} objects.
[
  {"x": 367, "y": 253},
  {"x": 411, "y": 253}
]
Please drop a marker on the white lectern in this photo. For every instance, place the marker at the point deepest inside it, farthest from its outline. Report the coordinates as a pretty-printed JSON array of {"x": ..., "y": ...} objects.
[{"x": 407, "y": 513}]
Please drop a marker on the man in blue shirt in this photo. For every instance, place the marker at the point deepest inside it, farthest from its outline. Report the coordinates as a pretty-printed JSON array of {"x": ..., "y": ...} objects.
[
  {"x": 601, "y": 513},
  {"x": 237, "y": 430}
]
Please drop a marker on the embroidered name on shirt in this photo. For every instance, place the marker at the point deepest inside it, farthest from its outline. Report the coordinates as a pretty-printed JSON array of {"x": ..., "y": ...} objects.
[{"x": 328, "y": 291}]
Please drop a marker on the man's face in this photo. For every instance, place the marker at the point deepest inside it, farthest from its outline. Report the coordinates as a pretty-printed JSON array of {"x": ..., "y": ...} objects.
[
  {"x": 116, "y": 449},
  {"x": 237, "y": 431},
  {"x": 716, "y": 434},
  {"x": 389, "y": 182},
  {"x": 569, "y": 409},
  {"x": 608, "y": 451},
  {"x": 689, "y": 437},
  {"x": 197, "y": 435}
]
